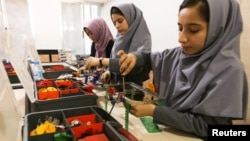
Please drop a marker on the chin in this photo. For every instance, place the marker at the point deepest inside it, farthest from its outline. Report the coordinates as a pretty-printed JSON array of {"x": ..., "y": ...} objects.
[
  {"x": 122, "y": 33},
  {"x": 187, "y": 52}
]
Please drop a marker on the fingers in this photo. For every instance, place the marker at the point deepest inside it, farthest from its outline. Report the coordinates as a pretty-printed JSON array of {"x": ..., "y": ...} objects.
[
  {"x": 135, "y": 111},
  {"x": 147, "y": 97},
  {"x": 91, "y": 62},
  {"x": 132, "y": 110},
  {"x": 127, "y": 62},
  {"x": 120, "y": 53},
  {"x": 122, "y": 56},
  {"x": 142, "y": 110},
  {"x": 125, "y": 67},
  {"x": 81, "y": 69},
  {"x": 105, "y": 77}
]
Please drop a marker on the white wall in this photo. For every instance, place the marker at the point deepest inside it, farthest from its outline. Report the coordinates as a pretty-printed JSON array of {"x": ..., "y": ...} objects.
[
  {"x": 46, "y": 23},
  {"x": 161, "y": 17}
]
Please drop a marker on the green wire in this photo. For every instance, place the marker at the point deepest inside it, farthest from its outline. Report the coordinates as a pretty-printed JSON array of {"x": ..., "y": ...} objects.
[{"x": 127, "y": 106}]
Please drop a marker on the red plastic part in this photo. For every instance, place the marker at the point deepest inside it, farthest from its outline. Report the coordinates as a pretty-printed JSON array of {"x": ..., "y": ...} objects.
[
  {"x": 97, "y": 137},
  {"x": 111, "y": 90},
  {"x": 86, "y": 128},
  {"x": 70, "y": 91},
  {"x": 44, "y": 83},
  {"x": 58, "y": 67}
]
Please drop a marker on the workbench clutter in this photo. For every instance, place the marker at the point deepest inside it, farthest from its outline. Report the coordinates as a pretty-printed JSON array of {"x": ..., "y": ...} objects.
[
  {"x": 63, "y": 88},
  {"x": 52, "y": 89},
  {"x": 10, "y": 72},
  {"x": 65, "y": 55},
  {"x": 76, "y": 124},
  {"x": 132, "y": 94},
  {"x": 53, "y": 94},
  {"x": 54, "y": 71}
]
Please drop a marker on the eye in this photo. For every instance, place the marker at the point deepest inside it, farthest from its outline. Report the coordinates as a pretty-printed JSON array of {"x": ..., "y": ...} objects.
[
  {"x": 180, "y": 28},
  {"x": 194, "y": 29},
  {"x": 120, "y": 21}
]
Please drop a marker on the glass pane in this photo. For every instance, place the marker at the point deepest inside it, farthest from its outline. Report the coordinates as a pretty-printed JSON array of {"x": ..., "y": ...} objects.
[{"x": 72, "y": 28}]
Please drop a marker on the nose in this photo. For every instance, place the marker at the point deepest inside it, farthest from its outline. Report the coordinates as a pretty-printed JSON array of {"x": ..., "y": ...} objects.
[
  {"x": 117, "y": 25},
  {"x": 182, "y": 37}
]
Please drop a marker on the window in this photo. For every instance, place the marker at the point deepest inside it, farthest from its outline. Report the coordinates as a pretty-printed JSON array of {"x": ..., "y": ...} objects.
[{"x": 74, "y": 16}]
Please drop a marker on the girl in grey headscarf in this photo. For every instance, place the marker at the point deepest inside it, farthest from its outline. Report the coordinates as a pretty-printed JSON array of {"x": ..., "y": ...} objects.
[
  {"x": 132, "y": 35},
  {"x": 203, "y": 81},
  {"x": 137, "y": 36}
]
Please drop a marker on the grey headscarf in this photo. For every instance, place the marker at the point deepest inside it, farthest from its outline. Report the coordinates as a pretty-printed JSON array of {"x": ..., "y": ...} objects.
[
  {"x": 138, "y": 36},
  {"x": 212, "y": 82}
]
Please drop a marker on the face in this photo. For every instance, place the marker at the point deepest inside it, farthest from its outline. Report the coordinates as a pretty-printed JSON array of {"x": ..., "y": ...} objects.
[
  {"x": 192, "y": 30},
  {"x": 120, "y": 23},
  {"x": 90, "y": 34}
]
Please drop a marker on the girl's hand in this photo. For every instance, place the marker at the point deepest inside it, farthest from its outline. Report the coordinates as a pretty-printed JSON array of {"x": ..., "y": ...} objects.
[
  {"x": 105, "y": 77},
  {"x": 141, "y": 110},
  {"x": 91, "y": 62},
  {"x": 127, "y": 62}
]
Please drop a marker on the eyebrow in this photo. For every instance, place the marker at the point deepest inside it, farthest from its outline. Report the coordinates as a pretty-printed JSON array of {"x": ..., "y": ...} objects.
[{"x": 192, "y": 24}]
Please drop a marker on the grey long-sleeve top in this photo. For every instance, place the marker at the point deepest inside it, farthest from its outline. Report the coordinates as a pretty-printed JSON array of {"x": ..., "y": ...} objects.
[{"x": 171, "y": 114}]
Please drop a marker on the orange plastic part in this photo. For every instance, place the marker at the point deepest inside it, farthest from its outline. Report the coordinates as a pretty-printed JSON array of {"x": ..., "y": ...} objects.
[
  {"x": 64, "y": 82},
  {"x": 151, "y": 87},
  {"x": 48, "y": 93}
]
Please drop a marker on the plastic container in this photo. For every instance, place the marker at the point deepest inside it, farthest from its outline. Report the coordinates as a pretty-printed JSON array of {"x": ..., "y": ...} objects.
[
  {"x": 61, "y": 98},
  {"x": 53, "y": 71},
  {"x": 58, "y": 98},
  {"x": 11, "y": 72},
  {"x": 36, "y": 71},
  {"x": 90, "y": 124}
]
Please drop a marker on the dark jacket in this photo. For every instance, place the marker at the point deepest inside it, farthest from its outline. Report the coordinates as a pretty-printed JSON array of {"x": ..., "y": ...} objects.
[{"x": 107, "y": 50}]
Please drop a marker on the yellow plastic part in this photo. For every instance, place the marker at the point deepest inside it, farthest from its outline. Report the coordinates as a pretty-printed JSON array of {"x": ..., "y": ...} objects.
[{"x": 44, "y": 128}]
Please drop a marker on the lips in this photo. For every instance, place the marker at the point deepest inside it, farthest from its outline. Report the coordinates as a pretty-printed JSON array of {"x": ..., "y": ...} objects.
[{"x": 185, "y": 47}]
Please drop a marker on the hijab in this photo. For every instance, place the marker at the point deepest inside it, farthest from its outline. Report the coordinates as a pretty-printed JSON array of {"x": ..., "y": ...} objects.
[
  {"x": 137, "y": 37},
  {"x": 100, "y": 29},
  {"x": 213, "y": 82}
]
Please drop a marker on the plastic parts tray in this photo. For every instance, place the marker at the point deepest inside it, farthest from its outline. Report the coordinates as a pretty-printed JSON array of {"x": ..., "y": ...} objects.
[
  {"x": 54, "y": 71},
  {"x": 11, "y": 73},
  {"x": 60, "y": 98},
  {"x": 94, "y": 116}
]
